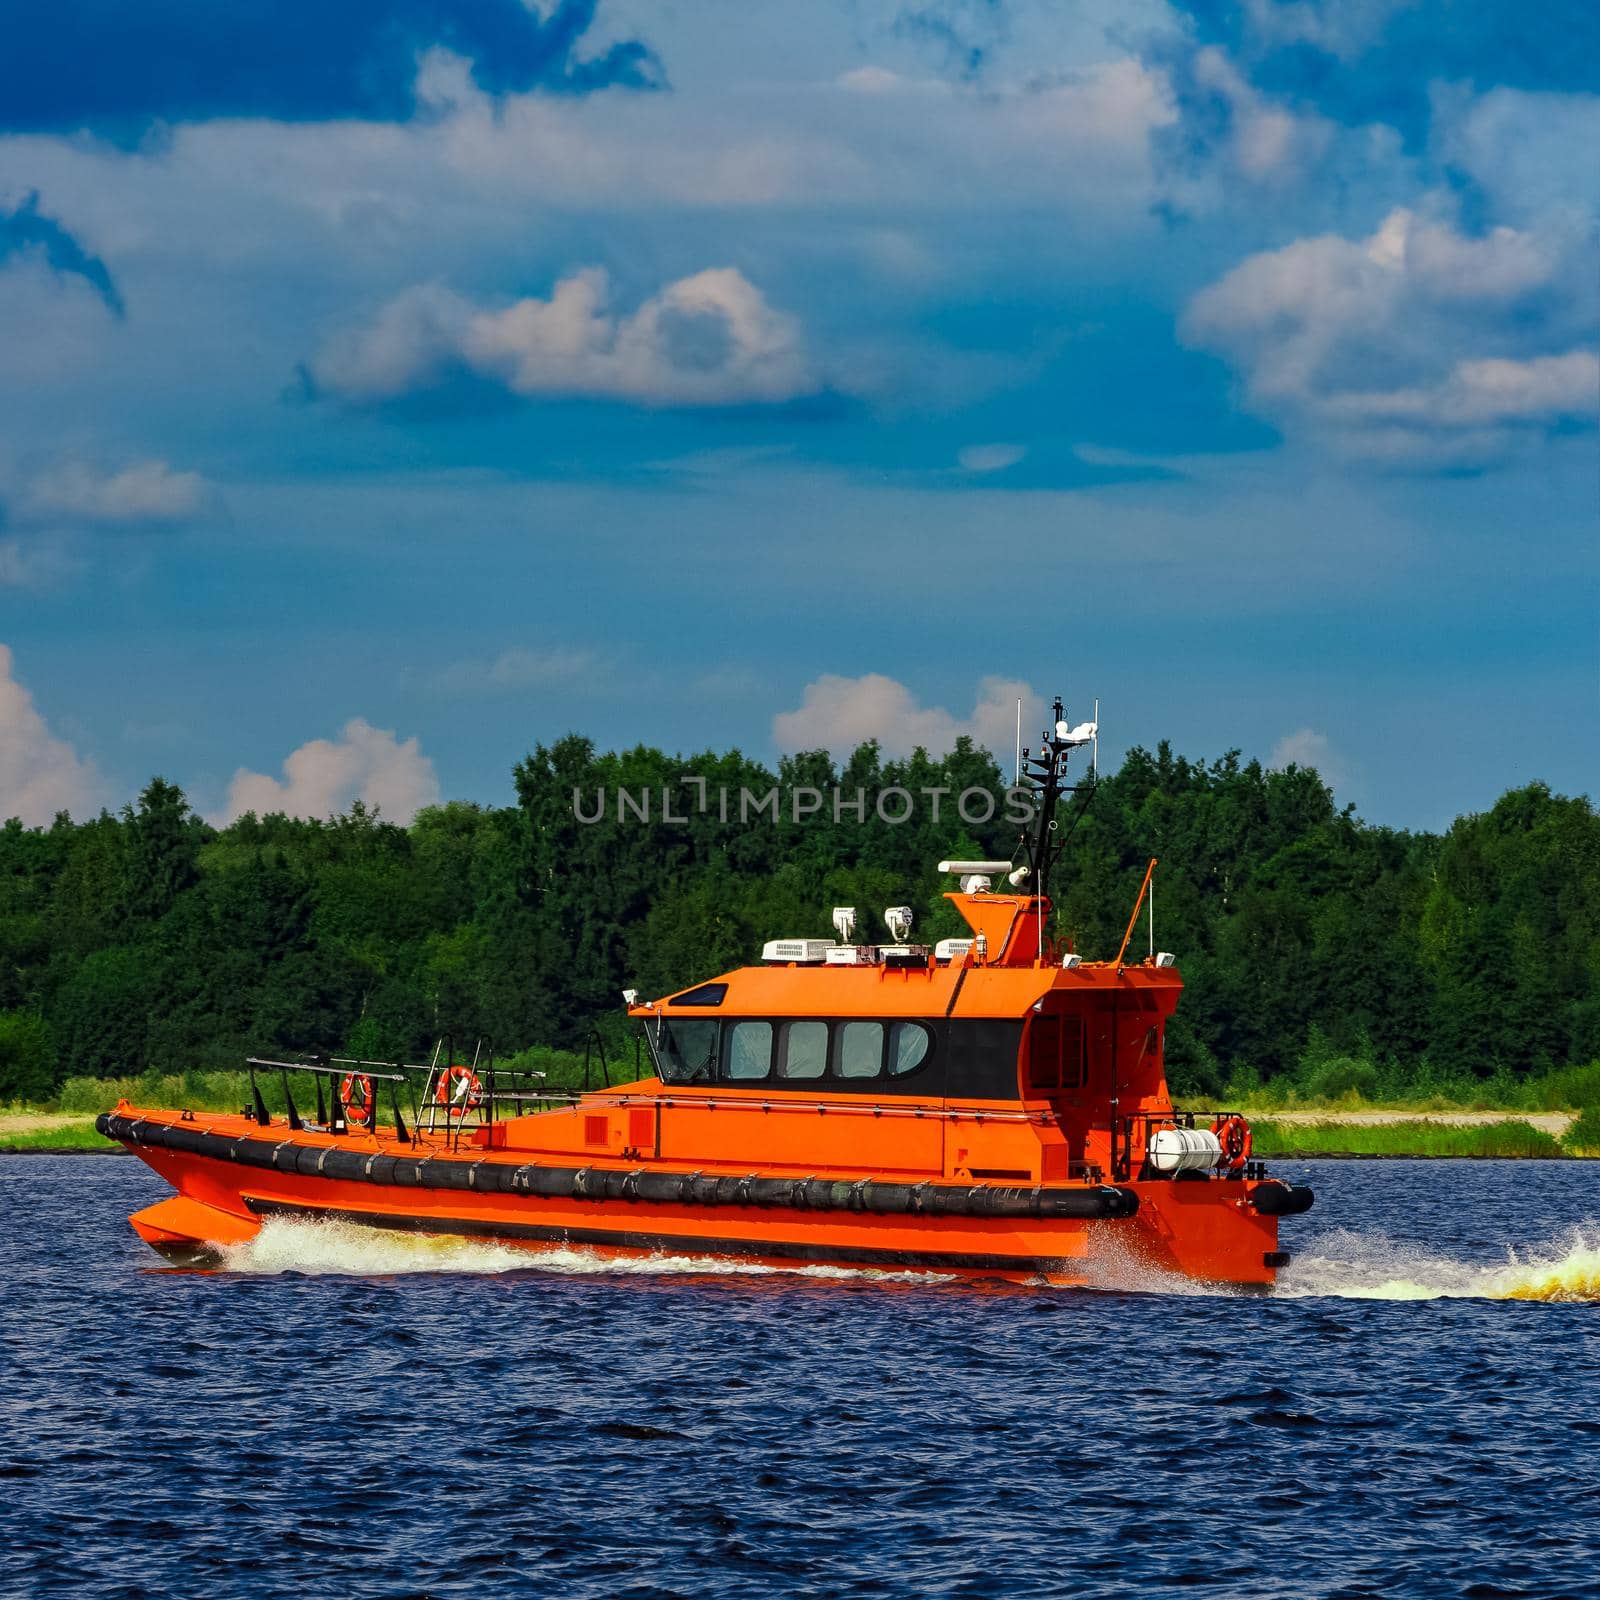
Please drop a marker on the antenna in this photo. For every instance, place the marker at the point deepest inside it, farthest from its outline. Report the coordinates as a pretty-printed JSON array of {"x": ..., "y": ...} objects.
[
  {"x": 1016, "y": 771},
  {"x": 1152, "y": 893},
  {"x": 1094, "y": 755}
]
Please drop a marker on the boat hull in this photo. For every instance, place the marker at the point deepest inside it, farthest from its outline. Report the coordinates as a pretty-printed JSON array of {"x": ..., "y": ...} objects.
[{"x": 231, "y": 1176}]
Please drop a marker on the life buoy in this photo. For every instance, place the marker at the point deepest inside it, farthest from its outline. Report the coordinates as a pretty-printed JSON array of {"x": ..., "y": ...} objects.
[
  {"x": 459, "y": 1089},
  {"x": 1233, "y": 1134},
  {"x": 358, "y": 1099}
]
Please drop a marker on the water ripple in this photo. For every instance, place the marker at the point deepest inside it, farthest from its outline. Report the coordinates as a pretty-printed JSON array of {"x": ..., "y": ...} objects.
[{"x": 395, "y": 1418}]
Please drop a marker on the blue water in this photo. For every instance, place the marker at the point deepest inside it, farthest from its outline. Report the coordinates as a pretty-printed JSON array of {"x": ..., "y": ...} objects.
[{"x": 352, "y": 1415}]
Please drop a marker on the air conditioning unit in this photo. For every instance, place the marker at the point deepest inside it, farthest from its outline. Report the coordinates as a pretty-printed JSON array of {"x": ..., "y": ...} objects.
[
  {"x": 951, "y": 949},
  {"x": 852, "y": 955},
  {"x": 806, "y": 952}
]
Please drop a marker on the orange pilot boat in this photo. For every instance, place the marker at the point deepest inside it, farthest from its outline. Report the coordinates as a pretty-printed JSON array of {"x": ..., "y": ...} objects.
[{"x": 993, "y": 1105}]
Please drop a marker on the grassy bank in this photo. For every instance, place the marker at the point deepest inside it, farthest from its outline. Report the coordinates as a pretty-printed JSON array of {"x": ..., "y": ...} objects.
[
  {"x": 1413, "y": 1137},
  {"x": 34, "y": 1133},
  {"x": 1323, "y": 1082}
]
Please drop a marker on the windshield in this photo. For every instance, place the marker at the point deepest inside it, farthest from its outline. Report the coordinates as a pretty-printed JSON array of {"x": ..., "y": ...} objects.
[{"x": 685, "y": 1049}]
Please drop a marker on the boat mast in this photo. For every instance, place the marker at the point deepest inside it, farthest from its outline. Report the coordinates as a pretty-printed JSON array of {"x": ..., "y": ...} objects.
[{"x": 1047, "y": 772}]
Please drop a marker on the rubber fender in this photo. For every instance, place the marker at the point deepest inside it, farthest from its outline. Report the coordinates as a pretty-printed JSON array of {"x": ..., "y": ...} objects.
[
  {"x": 381, "y": 1169},
  {"x": 694, "y": 1188},
  {"x": 494, "y": 1177},
  {"x": 346, "y": 1164},
  {"x": 1275, "y": 1198}
]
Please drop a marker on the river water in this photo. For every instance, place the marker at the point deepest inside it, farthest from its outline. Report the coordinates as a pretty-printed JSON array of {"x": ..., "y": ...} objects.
[{"x": 1416, "y": 1411}]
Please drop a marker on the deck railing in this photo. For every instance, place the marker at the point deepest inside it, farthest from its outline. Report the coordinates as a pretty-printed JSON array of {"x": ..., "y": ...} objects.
[
  {"x": 437, "y": 1102},
  {"x": 445, "y": 1101}
]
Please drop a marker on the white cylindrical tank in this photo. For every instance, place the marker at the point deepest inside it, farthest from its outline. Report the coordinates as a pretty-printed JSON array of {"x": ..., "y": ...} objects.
[{"x": 1184, "y": 1150}]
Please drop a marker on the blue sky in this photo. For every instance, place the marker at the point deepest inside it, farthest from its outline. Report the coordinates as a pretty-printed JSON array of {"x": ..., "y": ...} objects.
[{"x": 385, "y": 388}]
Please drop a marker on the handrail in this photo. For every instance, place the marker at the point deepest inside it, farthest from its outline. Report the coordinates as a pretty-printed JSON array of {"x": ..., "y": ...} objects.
[
  {"x": 331, "y": 1071},
  {"x": 840, "y": 1106}
]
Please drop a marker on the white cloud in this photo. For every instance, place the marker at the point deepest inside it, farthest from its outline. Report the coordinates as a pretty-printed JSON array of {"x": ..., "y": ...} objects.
[
  {"x": 709, "y": 339},
  {"x": 1418, "y": 342},
  {"x": 1480, "y": 393},
  {"x": 39, "y": 773},
  {"x": 990, "y": 457},
  {"x": 413, "y": 343},
  {"x": 147, "y": 492},
  {"x": 1266, "y": 143},
  {"x": 1305, "y": 747},
  {"x": 323, "y": 776},
  {"x": 516, "y": 668},
  {"x": 838, "y": 713}
]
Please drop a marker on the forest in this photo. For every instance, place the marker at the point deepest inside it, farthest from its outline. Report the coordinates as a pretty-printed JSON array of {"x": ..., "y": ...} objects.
[{"x": 1310, "y": 942}]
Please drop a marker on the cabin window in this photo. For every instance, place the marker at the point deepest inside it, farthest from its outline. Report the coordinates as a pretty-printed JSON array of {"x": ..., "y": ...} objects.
[
  {"x": 708, "y": 994},
  {"x": 908, "y": 1047},
  {"x": 805, "y": 1050},
  {"x": 858, "y": 1052},
  {"x": 746, "y": 1051},
  {"x": 686, "y": 1050}
]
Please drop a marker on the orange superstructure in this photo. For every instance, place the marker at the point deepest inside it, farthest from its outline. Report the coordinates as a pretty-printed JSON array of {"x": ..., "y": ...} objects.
[{"x": 993, "y": 1105}]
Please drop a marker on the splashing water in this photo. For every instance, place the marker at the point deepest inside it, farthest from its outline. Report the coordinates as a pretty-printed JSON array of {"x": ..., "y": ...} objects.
[
  {"x": 293, "y": 1244},
  {"x": 1365, "y": 1266},
  {"x": 1340, "y": 1265},
  {"x": 333, "y": 1247}
]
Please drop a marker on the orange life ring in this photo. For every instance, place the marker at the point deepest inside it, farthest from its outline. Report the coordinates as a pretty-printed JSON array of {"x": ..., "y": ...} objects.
[
  {"x": 1233, "y": 1134},
  {"x": 459, "y": 1089},
  {"x": 358, "y": 1099}
]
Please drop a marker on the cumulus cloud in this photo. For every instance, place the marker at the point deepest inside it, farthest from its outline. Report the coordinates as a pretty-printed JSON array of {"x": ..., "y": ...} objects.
[
  {"x": 26, "y": 231},
  {"x": 1529, "y": 156},
  {"x": 1418, "y": 342},
  {"x": 324, "y": 776},
  {"x": 837, "y": 714},
  {"x": 1305, "y": 747},
  {"x": 1222, "y": 121},
  {"x": 147, "y": 492},
  {"x": 706, "y": 340},
  {"x": 39, "y": 773}
]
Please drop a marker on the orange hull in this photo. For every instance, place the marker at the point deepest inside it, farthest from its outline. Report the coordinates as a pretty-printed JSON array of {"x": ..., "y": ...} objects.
[{"x": 232, "y": 1174}]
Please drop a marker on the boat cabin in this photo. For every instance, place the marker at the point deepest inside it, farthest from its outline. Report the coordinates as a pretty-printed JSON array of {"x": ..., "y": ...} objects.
[{"x": 997, "y": 1034}]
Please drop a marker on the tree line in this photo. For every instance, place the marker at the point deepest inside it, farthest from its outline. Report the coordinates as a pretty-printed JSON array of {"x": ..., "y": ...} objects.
[{"x": 149, "y": 939}]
